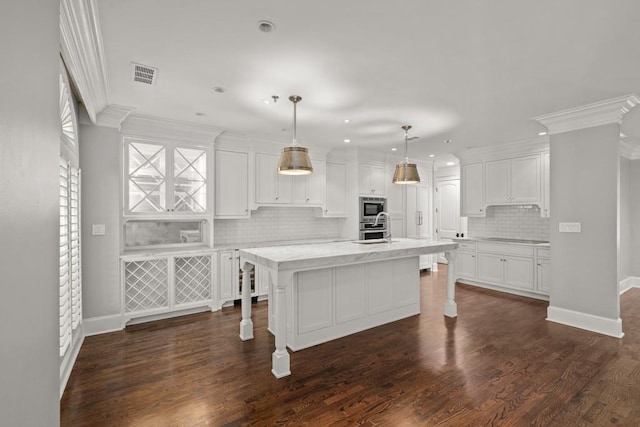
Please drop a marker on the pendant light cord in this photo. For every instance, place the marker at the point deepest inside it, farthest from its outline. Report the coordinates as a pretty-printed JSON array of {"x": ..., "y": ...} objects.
[
  {"x": 294, "y": 99},
  {"x": 406, "y": 143}
]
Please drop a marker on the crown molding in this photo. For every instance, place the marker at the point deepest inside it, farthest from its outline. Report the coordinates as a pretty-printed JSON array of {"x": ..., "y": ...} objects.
[
  {"x": 112, "y": 116},
  {"x": 596, "y": 114},
  {"x": 153, "y": 127},
  {"x": 504, "y": 151},
  {"x": 83, "y": 53}
]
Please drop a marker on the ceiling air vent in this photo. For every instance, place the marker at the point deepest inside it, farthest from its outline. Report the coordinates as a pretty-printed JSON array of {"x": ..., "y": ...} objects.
[{"x": 144, "y": 73}]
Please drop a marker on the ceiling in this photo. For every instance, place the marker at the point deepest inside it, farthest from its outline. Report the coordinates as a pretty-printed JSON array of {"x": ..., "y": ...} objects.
[{"x": 473, "y": 72}]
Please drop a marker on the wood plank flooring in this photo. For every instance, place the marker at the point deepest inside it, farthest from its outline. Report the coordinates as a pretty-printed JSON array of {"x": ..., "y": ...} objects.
[{"x": 499, "y": 363}]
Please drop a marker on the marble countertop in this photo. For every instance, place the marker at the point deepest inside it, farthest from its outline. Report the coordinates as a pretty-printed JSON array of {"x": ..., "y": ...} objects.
[
  {"x": 203, "y": 249},
  {"x": 319, "y": 255},
  {"x": 538, "y": 243}
]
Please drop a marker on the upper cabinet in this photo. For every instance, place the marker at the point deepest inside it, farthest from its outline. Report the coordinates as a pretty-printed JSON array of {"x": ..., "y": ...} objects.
[
  {"x": 508, "y": 174},
  {"x": 472, "y": 187},
  {"x": 231, "y": 184},
  {"x": 336, "y": 190},
  {"x": 371, "y": 179},
  {"x": 545, "y": 209},
  {"x": 308, "y": 190},
  {"x": 510, "y": 181},
  {"x": 271, "y": 187},
  {"x": 299, "y": 190},
  {"x": 165, "y": 178}
]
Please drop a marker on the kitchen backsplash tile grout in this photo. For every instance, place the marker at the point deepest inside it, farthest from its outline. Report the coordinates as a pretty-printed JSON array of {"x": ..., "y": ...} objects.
[{"x": 511, "y": 222}]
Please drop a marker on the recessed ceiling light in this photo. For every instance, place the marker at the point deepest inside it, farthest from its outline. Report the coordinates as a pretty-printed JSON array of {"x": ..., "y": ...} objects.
[
  {"x": 347, "y": 141},
  {"x": 266, "y": 26},
  {"x": 542, "y": 133},
  {"x": 450, "y": 163},
  {"x": 219, "y": 89},
  {"x": 432, "y": 155},
  {"x": 265, "y": 101},
  {"x": 346, "y": 120},
  {"x": 394, "y": 149}
]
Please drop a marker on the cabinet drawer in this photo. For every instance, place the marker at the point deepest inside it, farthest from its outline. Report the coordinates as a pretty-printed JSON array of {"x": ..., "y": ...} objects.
[
  {"x": 505, "y": 249},
  {"x": 466, "y": 246},
  {"x": 543, "y": 253}
]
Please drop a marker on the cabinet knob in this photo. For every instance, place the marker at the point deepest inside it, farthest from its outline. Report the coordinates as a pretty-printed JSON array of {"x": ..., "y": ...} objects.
[
  {"x": 246, "y": 210},
  {"x": 307, "y": 200},
  {"x": 277, "y": 198}
]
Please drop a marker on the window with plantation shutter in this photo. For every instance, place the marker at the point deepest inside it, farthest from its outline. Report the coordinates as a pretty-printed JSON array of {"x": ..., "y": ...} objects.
[
  {"x": 70, "y": 254},
  {"x": 65, "y": 273}
]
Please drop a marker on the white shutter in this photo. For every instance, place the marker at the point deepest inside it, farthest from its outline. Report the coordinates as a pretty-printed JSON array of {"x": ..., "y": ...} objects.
[
  {"x": 74, "y": 242},
  {"x": 65, "y": 274}
]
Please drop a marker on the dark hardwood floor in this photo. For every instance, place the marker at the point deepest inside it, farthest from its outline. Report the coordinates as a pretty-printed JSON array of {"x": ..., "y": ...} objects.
[{"x": 499, "y": 363}]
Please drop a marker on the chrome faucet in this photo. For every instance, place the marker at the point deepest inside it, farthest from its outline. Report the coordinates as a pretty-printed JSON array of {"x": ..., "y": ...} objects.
[{"x": 388, "y": 223}]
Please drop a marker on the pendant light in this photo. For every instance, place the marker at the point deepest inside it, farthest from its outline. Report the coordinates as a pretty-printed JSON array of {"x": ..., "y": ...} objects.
[
  {"x": 406, "y": 173},
  {"x": 294, "y": 159}
]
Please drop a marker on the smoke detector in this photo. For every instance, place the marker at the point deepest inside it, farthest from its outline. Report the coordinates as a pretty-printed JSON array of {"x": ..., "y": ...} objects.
[{"x": 144, "y": 74}]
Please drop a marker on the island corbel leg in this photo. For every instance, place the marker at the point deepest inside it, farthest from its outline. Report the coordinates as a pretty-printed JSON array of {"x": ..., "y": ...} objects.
[
  {"x": 280, "y": 361},
  {"x": 450, "y": 306},
  {"x": 246, "y": 325}
]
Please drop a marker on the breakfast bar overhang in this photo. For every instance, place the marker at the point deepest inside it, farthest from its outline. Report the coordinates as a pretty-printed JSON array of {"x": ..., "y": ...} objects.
[{"x": 319, "y": 292}]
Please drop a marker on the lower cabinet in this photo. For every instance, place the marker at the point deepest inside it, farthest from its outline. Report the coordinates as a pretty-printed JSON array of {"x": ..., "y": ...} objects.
[
  {"x": 230, "y": 278},
  {"x": 164, "y": 284},
  {"x": 543, "y": 271},
  {"x": 514, "y": 268},
  {"x": 466, "y": 260}
]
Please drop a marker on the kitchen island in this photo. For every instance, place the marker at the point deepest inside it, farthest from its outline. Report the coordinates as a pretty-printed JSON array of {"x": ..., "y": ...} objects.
[{"x": 320, "y": 292}]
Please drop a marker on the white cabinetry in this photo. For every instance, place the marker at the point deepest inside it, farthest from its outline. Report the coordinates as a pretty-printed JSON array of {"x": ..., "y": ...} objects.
[
  {"x": 513, "y": 268},
  {"x": 165, "y": 178},
  {"x": 230, "y": 277},
  {"x": 231, "y": 184},
  {"x": 271, "y": 187},
  {"x": 472, "y": 188},
  {"x": 336, "y": 190},
  {"x": 546, "y": 186},
  {"x": 466, "y": 260},
  {"x": 162, "y": 284},
  {"x": 514, "y": 180},
  {"x": 508, "y": 265},
  {"x": 308, "y": 190},
  {"x": 543, "y": 271},
  {"x": 371, "y": 178}
]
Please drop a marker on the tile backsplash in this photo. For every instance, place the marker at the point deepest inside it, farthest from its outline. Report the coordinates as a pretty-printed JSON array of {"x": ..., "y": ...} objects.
[
  {"x": 270, "y": 224},
  {"x": 511, "y": 222}
]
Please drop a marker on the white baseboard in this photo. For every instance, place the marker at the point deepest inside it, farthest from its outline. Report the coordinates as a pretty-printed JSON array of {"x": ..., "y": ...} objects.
[
  {"x": 102, "y": 324},
  {"x": 628, "y": 283},
  {"x": 69, "y": 360},
  {"x": 589, "y": 322}
]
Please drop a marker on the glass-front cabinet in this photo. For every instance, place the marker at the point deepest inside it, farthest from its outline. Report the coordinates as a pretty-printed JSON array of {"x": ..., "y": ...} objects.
[{"x": 165, "y": 178}]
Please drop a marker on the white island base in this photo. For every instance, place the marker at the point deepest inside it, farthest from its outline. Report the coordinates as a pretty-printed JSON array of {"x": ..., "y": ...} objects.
[{"x": 321, "y": 292}]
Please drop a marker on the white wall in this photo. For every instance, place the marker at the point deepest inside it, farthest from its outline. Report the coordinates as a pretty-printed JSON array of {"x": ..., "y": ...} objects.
[
  {"x": 29, "y": 235},
  {"x": 584, "y": 189},
  {"x": 624, "y": 258},
  {"x": 634, "y": 201},
  {"x": 99, "y": 158}
]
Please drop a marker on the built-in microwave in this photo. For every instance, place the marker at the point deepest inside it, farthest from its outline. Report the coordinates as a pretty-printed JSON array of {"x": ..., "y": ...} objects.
[{"x": 370, "y": 207}]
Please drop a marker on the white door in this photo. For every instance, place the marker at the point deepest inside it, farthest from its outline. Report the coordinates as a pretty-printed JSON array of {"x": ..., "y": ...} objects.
[{"x": 447, "y": 211}]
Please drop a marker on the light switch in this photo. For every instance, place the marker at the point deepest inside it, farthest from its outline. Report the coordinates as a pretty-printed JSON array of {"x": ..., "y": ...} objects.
[
  {"x": 98, "y": 230},
  {"x": 570, "y": 227}
]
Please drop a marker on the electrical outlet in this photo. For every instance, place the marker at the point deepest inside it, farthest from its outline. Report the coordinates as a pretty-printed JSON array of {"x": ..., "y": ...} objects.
[
  {"x": 98, "y": 230},
  {"x": 570, "y": 227}
]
